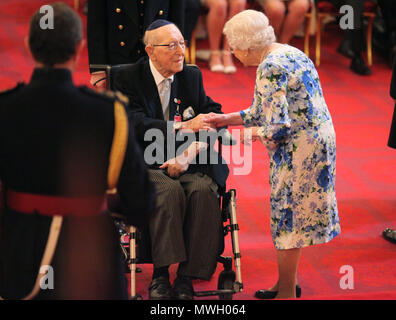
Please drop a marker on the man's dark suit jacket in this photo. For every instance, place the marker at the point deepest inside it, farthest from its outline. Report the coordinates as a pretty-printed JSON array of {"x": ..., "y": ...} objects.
[
  {"x": 55, "y": 140},
  {"x": 115, "y": 28},
  {"x": 137, "y": 82}
]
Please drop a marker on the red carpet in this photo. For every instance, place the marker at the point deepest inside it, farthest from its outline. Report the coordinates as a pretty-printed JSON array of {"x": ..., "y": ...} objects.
[{"x": 366, "y": 171}]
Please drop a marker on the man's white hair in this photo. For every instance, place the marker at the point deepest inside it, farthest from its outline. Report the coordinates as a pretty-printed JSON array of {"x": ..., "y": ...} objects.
[{"x": 249, "y": 29}]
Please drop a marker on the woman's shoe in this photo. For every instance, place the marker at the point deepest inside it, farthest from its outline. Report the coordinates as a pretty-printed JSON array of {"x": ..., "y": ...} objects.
[
  {"x": 228, "y": 69},
  {"x": 265, "y": 294},
  {"x": 389, "y": 235},
  {"x": 217, "y": 67}
]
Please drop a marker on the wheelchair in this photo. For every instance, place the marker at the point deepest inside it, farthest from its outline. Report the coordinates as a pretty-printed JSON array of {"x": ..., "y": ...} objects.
[{"x": 229, "y": 281}]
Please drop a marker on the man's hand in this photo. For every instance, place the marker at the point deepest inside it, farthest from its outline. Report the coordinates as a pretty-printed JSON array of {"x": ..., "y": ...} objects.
[
  {"x": 199, "y": 123},
  {"x": 180, "y": 164},
  {"x": 96, "y": 76},
  {"x": 176, "y": 166}
]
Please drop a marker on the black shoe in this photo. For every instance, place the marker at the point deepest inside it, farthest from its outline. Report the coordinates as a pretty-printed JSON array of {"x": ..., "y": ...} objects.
[
  {"x": 358, "y": 66},
  {"x": 345, "y": 49},
  {"x": 183, "y": 289},
  {"x": 389, "y": 235},
  {"x": 265, "y": 294},
  {"x": 160, "y": 289}
]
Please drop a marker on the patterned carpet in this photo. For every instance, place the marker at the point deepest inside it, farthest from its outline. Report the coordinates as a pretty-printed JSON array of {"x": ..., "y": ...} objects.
[{"x": 366, "y": 171}]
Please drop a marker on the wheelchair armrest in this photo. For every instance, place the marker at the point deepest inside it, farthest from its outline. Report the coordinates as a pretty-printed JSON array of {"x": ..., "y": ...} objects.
[{"x": 98, "y": 67}]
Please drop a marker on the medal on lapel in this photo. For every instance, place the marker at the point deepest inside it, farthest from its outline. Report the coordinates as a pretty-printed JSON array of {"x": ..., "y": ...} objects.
[{"x": 177, "y": 121}]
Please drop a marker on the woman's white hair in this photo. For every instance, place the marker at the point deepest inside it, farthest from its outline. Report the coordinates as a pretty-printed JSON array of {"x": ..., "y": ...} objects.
[{"x": 249, "y": 29}]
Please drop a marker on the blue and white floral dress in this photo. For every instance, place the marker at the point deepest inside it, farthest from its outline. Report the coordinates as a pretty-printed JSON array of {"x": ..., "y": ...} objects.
[{"x": 296, "y": 127}]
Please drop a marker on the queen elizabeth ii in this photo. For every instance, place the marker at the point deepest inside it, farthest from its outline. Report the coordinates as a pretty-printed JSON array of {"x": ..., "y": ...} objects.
[{"x": 290, "y": 116}]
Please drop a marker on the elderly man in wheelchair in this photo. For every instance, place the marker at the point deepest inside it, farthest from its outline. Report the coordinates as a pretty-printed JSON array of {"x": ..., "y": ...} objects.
[{"x": 168, "y": 106}]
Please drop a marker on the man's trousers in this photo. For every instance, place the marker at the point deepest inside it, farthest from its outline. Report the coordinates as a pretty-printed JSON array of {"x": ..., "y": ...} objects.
[{"x": 187, "y": 227}]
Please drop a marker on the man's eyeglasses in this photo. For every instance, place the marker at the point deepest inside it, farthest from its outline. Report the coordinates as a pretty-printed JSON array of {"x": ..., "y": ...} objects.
[{"x": 173, "y": 45}]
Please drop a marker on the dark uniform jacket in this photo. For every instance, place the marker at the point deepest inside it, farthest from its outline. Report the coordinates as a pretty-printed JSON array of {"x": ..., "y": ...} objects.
[
  {"x": 55, "y": 140},
  {"x": 193, "y": 11},
  {"x": 137, "y": 82},
  {"x": 392, "y": 134},
  {"x": 115, "y": 28}
]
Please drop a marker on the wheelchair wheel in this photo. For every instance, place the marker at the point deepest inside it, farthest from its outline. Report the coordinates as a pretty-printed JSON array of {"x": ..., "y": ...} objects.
[
  {"x": 226, "y": 282},
  {"x": 137, "y": 297}
]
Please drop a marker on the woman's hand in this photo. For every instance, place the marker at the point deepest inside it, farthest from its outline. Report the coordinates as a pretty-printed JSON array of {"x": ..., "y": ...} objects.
[
  {"x": 223, "y": 120},
  {"x": 249, "y": 135},
  {"x": 217, "y": 119}
]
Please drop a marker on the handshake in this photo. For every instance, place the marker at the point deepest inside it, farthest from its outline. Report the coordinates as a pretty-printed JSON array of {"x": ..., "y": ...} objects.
[
  {"x": 216, "y": 120},
  {"x": 202, "y": 122},
  {"x": 211, "y": 121},
  {"x": 206, "y": 122}
]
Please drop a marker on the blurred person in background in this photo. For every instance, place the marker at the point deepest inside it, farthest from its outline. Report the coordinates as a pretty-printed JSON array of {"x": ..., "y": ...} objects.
[
  {"x": 353, "y": 43},
  {"x": 390, "y": 234},
  {"x": 115, "y": 30},
  {"x": 285, "y": 16},
  {"x": 219, "y": 12}
]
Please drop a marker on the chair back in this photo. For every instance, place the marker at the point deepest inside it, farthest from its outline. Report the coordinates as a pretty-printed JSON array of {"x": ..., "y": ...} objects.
[{"x": 111, "y": 72}]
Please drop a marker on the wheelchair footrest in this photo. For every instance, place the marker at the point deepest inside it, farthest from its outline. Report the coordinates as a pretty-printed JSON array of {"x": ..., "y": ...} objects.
[{"x": 213, "y": 292}]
